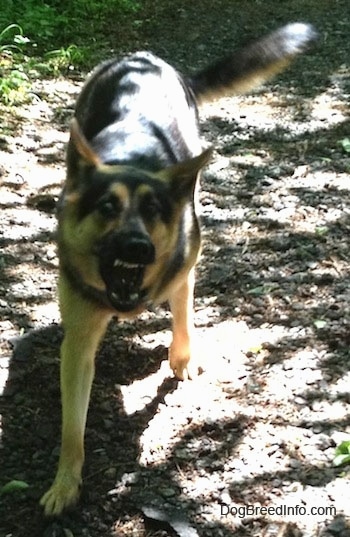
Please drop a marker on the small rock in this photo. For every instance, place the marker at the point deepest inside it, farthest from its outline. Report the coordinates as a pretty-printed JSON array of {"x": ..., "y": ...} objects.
[
  {"x": 337, "y": 526},
  {"x": 225, "y": 497},
  {"x": 325, "y": 442},
  {"x": 295, "y": 463},
  {"x": 298, "y": 400},
  {"x": 168, "y": 492}
]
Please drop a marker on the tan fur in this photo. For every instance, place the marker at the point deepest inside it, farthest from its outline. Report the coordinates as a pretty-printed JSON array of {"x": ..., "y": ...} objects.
[
  {"x": 85, "y": 289},
  {"x": 181, "y": 305},
  {"x": 85, "y": 322},
  {"x": 85, "y": 325},
  {"x": 82, "y": 145}
]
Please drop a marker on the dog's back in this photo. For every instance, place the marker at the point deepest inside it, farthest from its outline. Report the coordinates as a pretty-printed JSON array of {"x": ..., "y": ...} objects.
[{"x": 141, "y": 111}]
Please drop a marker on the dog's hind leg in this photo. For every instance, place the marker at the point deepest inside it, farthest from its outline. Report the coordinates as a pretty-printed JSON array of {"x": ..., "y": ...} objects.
[
  {"x": 84, "y": 324},
  {"x": 181, "y": 305}
]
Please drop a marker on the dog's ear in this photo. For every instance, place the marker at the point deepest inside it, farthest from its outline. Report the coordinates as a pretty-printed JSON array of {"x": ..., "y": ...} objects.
[
  {"x": 82, "y": 146},
  {"x": 182, "y": 176},
  {"x": 80, "y": 158}
]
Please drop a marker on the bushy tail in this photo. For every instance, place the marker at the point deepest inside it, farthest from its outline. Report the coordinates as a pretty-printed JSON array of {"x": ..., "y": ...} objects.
[{"x": 245, "y": 69}]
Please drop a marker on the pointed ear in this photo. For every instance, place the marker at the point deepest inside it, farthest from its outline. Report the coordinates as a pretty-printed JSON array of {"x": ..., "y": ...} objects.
[
  {"x": 183, "y": 175},
  {"x": 82, "y": 146}
]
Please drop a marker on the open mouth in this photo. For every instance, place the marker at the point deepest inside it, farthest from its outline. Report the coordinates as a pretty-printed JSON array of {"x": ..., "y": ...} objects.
[
  {"x": 123, "y": 282},
  {"x": 123, "y": 258}
]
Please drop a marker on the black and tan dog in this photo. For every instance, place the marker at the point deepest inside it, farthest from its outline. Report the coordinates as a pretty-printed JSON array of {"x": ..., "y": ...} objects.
[{"x": 128, "y": 231}]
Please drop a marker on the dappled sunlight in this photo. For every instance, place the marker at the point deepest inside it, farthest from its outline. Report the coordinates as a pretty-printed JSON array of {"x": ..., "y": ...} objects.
[
  {"x": 221, "y": 352},
  {"x": 46, "y": 313},
  {"x": 138, "y": 394},
  {"x": 229, "y": 352},
  {"x": 260, "y": 424},
  {"x": 4, "y": 369},
  {"x": 308, "y": 114},
  {"x": 328, "y": 108}
]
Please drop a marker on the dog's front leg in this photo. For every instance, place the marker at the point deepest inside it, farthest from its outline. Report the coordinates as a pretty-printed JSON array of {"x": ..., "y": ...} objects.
[
  {"x": 181, "y": 305},
  {"x": 84, "y": 325}
]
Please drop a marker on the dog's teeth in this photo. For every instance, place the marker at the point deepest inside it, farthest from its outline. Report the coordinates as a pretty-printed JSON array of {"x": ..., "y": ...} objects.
[{"x": 125, "y": 264}]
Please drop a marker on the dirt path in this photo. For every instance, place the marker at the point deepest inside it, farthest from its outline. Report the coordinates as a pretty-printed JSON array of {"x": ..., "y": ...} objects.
[{"x": 259, "y": 427}]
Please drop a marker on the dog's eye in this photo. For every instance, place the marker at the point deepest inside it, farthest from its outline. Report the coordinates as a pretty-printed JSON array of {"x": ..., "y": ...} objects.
[
  {"x": 109, "y": 208},
  {"x": 150, "y": 207}
]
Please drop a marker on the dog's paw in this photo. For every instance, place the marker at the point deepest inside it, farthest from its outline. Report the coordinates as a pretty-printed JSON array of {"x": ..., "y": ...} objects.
[
  {"x": 63, "y": 494},
  {"x": 184, "y": 367}
]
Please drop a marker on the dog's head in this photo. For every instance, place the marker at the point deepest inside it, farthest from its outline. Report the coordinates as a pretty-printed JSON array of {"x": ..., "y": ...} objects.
[{"x": 120, "y": 225}]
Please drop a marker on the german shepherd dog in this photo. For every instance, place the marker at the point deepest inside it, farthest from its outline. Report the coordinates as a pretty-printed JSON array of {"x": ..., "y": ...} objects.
[{"x": 128, "y": 234}]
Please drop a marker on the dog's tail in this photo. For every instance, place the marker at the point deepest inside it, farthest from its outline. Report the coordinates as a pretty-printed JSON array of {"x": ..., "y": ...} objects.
[{"x": 245, "y": 69}]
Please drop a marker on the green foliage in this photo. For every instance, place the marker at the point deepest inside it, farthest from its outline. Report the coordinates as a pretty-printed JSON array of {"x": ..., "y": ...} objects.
[
  {"x": 41, "y": 21},
  {"x": 48, "y": 37},
  {"x": 13, "y": 486},
  {"x": 63, "y": 59},
  {"x": 319, "y": 323},
  {"x": 12, "y": 38},
  {"x": 262, "y": 290},
  {"x": 102, "y": 7},
  {"x": 14, "y": 82},
  {"x": 342, "y": 454},
  {"x": 57, "y": 23},
  {"x": 345, "y": 143},
  {"x": 14, "y": 87}
]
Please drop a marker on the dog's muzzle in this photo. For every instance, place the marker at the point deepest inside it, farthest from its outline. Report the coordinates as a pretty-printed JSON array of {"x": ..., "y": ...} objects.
[{"x": 123, "y": 258}]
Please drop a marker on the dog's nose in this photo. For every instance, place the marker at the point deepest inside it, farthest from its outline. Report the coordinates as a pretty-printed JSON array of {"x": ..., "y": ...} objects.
[{"x": 139, "y": 250}]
